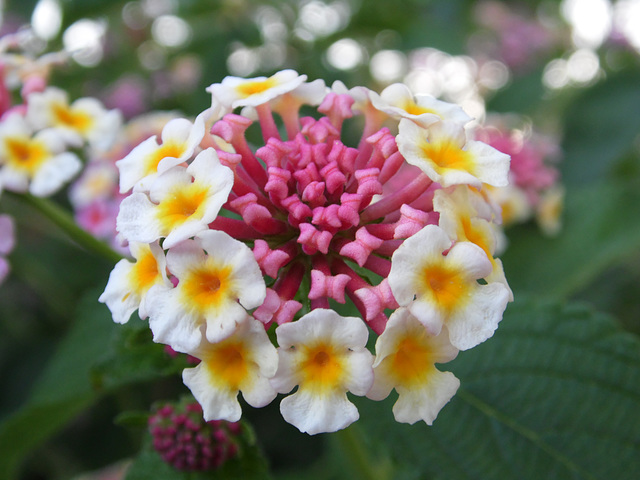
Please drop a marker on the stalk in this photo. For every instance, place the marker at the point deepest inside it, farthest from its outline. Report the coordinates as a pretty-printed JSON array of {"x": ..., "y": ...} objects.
[{"x": 66, "y": 223}]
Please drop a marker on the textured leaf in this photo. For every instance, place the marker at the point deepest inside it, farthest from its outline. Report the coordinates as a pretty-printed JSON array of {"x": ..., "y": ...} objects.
[
  {"x": 555, "y": 394},
  {"x": 600, "y": 228}
]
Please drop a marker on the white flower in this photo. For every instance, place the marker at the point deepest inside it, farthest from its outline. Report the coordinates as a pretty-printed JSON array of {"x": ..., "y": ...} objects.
[
  {"x": 325, "y": 355},
  {"x": 179, "y": 138},
  {"x": 85, "y": 118},
  {"x": 243, "y": 362},
  {"x": 36, "y": 163},
  {"x": 130, "y": 281},
  {"x": 405, "y": 356},
  {"x": 397, "y": 101},
  {"x": 442, "y": 289},
  {"x": 236, "y": 92},
  {"x": 461, "y": 210},
  {"x": 215, "y": 272},
  {"x": 443, "y": 152},
  {"x": 181, "y": 202}
]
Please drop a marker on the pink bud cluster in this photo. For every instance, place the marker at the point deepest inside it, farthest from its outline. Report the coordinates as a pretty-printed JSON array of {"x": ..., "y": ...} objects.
[
  {"x": 306, "y": 202},
  {"x": 188, "y": 443}
]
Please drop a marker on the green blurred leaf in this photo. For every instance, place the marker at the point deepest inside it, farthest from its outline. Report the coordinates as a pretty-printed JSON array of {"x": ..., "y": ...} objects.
[
  {"x": 62, "y": 391},
  {"x": 600, "y": 229},
  {"x": 131, "y": 356},
  {"x": 96, "y": 356},
  {"x": 555, "y": 394},
  {"x": 521, "y": 95},
  {"x": 601, "y": 126}
]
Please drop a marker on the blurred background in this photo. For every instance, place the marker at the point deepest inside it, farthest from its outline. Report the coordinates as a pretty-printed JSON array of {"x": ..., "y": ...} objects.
[{"x": 567, "y": 71}]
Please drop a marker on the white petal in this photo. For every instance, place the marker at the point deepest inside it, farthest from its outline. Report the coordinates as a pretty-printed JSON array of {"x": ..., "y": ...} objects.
[
  {"x": 54, "y": 174},
  {"x": 136, "y": 220},
  {"x": 425, "y": 403},
  {"x": 477, "y": 322},
  {"x": 170, "y": 323},
  {"x": 314, "y": 414},
  {"x": 117, "y": 294},
  {"x": 217, "y": 404}
]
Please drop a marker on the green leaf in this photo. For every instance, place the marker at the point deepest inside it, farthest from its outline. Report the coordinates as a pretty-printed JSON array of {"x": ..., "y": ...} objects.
[
  {"x": 600, "y": 229},
  {"x": 600, "y": 128},
  {"x": 62, "y": 391},
  {"x": 97, "y": 356},
  {"x": 555, "y": 394}
]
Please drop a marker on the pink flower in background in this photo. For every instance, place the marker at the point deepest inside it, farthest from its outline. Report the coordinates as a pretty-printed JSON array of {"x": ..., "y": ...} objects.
[
  {"x": 534, "y": 188},
  {"x": 7, "y": 242}
]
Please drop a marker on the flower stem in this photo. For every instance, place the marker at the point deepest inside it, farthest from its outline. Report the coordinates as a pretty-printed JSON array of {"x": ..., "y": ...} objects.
[
  {"x": 65, "y": 222},
  {"x": 351, "y": 443}
]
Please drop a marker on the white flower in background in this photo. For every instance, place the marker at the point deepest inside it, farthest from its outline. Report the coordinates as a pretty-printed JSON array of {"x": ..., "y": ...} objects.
[
  {"x": 84, "y": 119},
  {"x": 325, "y": 355},
  {"x": 35, "y": 163}
]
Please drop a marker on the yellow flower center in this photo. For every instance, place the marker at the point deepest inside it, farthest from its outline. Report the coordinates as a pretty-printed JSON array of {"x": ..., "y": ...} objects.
[
  {"x": 252, "y": 87},
  {"x": 322, "y": 367},
  {"x": 228, "y": 364},
  {"x": 445, "y": 285},
  {"x": 207, "y": 287},
  {"x": 25, "y": 154},
  {"x": 447, "y": 155},
  {"x": 168, "y": 149},
  {"x": 413, "y": 360},
  {"x": 413, "y": 108},
  {"x": 474, "y": 235},
  {"x": 145, "y": 272},
  {"x": 77, "y": 120},
  {"x": 182, "y": 204}
]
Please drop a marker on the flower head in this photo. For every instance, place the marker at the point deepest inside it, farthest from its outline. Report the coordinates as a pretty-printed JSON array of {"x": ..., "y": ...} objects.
[
  {"x": 445, "y": 154},
  {"x": 325, "y": 355},
  {"x": 443, "y": 290},
  {"x": 180, "y": 137},
  {"x": 399, "y": 102},
  {"x": 181, "y": 202},
  {"x": 241, "y": 92},
  {"x": 304, "y": 220},
  {"x": 129, "y": 281},
  {"x": 405, "y": 356},
  {"x": 37, "y": 162},
  {"x": 218, "y": 279},
  {"x": 243, "y": 362},
  {"x": 85, "y": 119}
]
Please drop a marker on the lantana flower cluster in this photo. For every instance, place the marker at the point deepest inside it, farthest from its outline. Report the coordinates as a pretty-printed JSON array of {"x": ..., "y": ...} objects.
[
  {"x": 43, "y": 134},
  {"x": 253, "y": 224}
]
